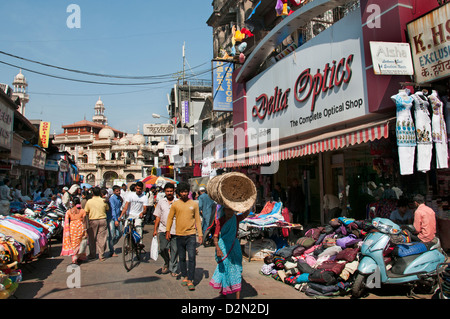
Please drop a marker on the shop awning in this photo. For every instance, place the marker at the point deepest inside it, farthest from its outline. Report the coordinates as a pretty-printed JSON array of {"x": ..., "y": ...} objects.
[{"x": 324, "y": 142}]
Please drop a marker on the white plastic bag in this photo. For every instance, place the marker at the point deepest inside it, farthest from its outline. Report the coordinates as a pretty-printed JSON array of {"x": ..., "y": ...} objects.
[{"x": 154, "y": 249}]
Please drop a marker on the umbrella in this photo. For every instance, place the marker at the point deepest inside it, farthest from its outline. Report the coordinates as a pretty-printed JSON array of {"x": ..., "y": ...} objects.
[
  {"x": 153, "y": 180},
  {"x": 83, "y": 185}
]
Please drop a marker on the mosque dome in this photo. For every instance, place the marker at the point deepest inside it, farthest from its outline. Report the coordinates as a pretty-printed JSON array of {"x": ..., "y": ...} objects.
[
  {"x": 124, "y": 141},
  {"x": 106, "y": 133},
  {"x": 138, "y": 138},
  {"x": 20, "y": 78}
]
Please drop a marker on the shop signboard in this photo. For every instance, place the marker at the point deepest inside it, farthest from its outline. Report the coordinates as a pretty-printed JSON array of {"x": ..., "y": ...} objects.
[
  {"x": 33, "y": 157},
  {"x": 158, "y": 129},
  {"x": 184, "y": 112},
  {"x": 430, "y": 47},
  {"x": 222, "y": 85},
  {"x": 322, "y": 84},
  {"x": 51, "y": 165},
  {"x": 171, "y": 150},
  {"x": 6, "y": 125},
  {"x": 44, "y": 134},
  {"x": 391, "y": 58}
]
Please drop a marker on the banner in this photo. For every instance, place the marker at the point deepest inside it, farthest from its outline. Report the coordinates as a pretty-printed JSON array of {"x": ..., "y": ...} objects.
[
  {"x": 223, "y": 86},
  {"x": 429, "y": 37},
  {"x": 44, "y": 134}
]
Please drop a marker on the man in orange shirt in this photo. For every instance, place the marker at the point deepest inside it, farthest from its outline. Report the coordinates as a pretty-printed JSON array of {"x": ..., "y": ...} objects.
[
  {"x": 186, "y": 213},
  {"x": 424, "y": 220}
]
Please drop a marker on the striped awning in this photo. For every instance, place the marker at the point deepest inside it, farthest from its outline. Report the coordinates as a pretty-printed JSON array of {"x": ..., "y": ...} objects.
[{"x": 325, "y": 142}]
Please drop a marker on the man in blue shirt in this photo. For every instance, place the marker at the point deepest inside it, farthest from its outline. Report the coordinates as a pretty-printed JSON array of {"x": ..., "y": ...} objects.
[
  {"x": 115, "y": 202},
  {"x": 206, "y": 207}
]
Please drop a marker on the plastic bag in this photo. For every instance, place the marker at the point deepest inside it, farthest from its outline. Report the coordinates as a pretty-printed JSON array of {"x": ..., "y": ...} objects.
[
  {"x": 154, "y": 248},
  {"x": 83, "y": 246}
]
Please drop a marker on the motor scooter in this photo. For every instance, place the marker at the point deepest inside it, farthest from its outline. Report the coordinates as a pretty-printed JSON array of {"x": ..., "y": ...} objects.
[{"x": 374, "y": 269}]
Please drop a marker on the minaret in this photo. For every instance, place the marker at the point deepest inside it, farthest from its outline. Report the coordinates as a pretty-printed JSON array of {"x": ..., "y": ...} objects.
[
  {"x": 99, "y": 113},
  {"x": 20, "y": 91}
]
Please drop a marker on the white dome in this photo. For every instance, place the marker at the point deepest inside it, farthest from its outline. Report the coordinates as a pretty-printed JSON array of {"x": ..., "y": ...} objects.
[
  {"x": 99, "y": 102},
  {"x": 124, "y": 141},
  {"x": 138, "y": 139},
  {"x": 20, "y": 78},
  {"x": 106, "y": 133}
]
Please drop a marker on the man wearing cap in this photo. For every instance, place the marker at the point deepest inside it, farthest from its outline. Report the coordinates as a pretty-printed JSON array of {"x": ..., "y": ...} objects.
[
  {"x": 66, "y": 197},
  {"x": 424, "y": 220},
  {"x": 206, "y": 207}
]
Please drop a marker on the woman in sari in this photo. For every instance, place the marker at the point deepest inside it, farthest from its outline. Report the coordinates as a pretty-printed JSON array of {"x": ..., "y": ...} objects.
[
  {"x": 74, "y": 233},
  {"x": 227, "y": 277}
]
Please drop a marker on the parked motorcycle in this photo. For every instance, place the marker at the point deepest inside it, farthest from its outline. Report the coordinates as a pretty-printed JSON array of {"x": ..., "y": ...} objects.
[
  {"x": 55, "y": 214},
  {"x": 376, "y": 269}
]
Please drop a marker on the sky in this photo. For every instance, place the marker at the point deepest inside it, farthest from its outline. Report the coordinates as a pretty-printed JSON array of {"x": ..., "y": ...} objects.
[{"x": 133, "y": 38}]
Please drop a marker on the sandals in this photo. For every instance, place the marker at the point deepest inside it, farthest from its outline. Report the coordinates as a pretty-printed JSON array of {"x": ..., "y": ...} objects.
[
  {"x": 165, "y": 270},
  {"x": 188, "y": 283},
  {"x": 191, "y": 286}
]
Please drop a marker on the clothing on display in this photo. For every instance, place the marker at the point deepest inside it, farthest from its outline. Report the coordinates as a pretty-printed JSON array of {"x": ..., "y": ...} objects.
[
  {"x": 439, "y": 130},
  {"x": 405, "y": 132},
  {"x": 423, "y": 131}
]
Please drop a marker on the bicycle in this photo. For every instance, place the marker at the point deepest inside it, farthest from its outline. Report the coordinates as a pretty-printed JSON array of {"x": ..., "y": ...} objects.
[{"x": 131, "y": 249}]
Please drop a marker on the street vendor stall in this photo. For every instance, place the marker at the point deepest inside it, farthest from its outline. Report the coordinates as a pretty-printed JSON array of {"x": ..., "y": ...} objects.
[{"x": 272, "y": 217}]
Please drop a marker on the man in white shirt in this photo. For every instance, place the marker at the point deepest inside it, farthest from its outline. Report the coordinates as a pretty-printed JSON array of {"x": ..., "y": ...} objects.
[
  {"x": 167, "y": 249},
  {"x": 136, "y": 204},
  {"x": 17, "y": 193},
  {"x": 5, "y": 191},
  {"x": 56, "y": 202},
  {"x": 66, "y": 197}
]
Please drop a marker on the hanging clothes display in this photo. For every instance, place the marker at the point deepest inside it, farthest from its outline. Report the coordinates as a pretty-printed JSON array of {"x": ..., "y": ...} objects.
[
  {"x": 405, "y": 132},
  {"x": 439, "y": 130},
  {"x": 423, "y": 131}
]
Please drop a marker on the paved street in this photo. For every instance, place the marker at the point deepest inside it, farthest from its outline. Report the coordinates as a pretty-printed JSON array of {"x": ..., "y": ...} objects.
[{"x": 47, "y": 279}]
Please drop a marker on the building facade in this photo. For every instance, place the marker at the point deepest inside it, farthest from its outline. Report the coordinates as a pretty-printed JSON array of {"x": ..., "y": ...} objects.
[{"x": 104, "y": 154}]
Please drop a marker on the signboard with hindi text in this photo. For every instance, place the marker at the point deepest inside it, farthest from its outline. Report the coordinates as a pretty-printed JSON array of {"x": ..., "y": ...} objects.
[{"x": 430, "y": 48}]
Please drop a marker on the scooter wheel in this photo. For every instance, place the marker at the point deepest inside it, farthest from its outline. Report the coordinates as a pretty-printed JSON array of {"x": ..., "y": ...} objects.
[{"x": 359, "y": 286}]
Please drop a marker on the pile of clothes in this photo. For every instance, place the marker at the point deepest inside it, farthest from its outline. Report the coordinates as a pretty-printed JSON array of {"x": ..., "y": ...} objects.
[{"x": 323, "y": 261}]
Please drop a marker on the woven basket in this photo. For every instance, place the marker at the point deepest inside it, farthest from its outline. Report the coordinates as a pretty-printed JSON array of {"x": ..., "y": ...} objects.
[
  {"x": 234, "y": 190},
  {"x": 212, "y": 189}
]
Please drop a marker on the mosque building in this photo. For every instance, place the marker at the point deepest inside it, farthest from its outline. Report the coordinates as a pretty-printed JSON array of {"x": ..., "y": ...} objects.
[{"x": 104, "y": 154}]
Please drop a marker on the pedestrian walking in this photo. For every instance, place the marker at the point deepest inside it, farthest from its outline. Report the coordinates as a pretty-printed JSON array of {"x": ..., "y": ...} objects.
[
  {"x": 114, "y": 229},
  {"x": 206, "y": 207},
  {"x": 227, "y": 277},
  {"x": 75, "y": 231},
  {"x": 96, "y": 209},
  {"x": 188, "y": 224},
  {"x": 167, "y": 248}
]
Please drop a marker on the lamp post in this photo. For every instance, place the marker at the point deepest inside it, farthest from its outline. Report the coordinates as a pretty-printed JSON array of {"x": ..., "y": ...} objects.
[{"x": 157, "y": 116}]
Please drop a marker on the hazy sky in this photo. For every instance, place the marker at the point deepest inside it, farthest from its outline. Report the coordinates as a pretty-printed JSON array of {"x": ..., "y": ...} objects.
[{"x": 128, "y": 38}]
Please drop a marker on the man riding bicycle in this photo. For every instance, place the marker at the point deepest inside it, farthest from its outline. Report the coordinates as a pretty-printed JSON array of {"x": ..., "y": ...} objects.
[{"x": 136, "y": 204}]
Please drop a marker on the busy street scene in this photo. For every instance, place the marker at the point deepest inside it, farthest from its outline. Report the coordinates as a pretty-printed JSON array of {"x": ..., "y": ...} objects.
[{"x": 235, "y": 155}]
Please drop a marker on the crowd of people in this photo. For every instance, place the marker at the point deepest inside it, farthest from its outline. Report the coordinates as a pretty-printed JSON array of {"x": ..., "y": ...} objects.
[{"x": 97, "y": 216}]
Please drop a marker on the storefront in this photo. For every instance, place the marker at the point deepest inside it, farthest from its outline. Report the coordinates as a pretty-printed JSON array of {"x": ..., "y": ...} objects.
[{"x": 321, "y": 115}]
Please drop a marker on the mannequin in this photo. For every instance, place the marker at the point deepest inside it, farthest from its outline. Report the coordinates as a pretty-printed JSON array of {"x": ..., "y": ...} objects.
[
  {"x": 405, "y": 132},
  {"x": 439, "y": 130},
  {"x": 423, "y": 131}
]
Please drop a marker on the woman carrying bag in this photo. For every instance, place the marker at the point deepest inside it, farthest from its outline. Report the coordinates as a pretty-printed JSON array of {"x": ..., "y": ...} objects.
[
  {"x": 228, "y": 275},
  {"x": 75, "y": 233}
]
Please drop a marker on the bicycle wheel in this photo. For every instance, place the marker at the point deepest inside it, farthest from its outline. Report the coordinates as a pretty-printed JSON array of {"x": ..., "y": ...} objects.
[{"x": 128, "y": 252}]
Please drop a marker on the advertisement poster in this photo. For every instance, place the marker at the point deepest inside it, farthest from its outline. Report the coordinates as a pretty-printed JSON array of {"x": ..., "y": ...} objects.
[{"x": 223, "y": 86}]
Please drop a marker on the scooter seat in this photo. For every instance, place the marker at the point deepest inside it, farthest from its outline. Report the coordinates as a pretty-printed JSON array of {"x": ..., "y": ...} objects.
[{"x": 414, "y": 248}]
